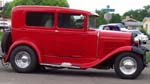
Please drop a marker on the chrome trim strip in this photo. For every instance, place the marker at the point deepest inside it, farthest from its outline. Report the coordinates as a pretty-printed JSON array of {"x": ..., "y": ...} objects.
[{"x": 56, "y": 65}]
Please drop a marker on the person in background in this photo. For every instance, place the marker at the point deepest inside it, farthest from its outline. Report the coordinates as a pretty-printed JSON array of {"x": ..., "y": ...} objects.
[{"x": 106, "y": 28}]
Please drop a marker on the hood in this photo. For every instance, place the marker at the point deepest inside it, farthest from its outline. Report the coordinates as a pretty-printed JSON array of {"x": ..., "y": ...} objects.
[
  {"x": 115, "y": 37},
  {"x": 115, "y": 34},
  {"x": 142, "y": 35},
  {"x": 112, "y": 40}
]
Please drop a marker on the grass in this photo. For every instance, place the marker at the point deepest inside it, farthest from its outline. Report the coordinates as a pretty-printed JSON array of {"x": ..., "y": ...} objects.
[{"x": 147, "y": 56}]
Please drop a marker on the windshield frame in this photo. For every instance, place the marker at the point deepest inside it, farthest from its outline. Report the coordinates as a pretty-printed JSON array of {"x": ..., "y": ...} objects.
[{"x": 92, "y": 22}]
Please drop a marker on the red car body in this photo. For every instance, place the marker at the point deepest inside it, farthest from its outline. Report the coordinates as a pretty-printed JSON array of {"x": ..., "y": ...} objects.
[{"x": 56, "y": 46}]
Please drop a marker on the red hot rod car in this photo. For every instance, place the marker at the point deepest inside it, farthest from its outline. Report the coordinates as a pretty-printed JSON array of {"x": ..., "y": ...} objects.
[{"x": 48, "y": 36}]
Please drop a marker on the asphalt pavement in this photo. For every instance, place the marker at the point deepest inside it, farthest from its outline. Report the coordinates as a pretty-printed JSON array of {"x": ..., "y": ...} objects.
[{"x": 68, "y": 76}]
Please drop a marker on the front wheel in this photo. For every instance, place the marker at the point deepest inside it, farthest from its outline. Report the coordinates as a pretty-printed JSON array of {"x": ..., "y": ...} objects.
[
  {"x": 23, "y": 59},
  {"x": 128, "y": 65}
]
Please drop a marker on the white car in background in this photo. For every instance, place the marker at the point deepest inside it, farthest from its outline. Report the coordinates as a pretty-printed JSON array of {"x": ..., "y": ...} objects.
[
  {"x": 140, "y": 36},
  {"x": 4, "y": 23}
]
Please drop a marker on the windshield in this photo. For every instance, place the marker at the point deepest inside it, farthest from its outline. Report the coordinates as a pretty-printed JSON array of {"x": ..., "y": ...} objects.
[
  {"x": 92, "y": 22},
  {"x": 122, "y": 26}
]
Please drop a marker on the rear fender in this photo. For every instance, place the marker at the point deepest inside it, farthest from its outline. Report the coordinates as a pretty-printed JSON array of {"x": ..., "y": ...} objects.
[{"x": 23, "y": 42}]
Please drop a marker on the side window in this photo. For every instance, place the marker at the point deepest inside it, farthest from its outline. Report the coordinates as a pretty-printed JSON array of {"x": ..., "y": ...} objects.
[
  {"x": 75, "y": 21},
  {"x": 40, "y": 19}
]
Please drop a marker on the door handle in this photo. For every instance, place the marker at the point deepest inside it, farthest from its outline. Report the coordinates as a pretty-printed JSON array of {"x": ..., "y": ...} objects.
[{"x": 56, "y": 31}]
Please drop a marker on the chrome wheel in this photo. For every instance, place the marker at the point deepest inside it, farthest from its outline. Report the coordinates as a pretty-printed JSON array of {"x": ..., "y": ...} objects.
[
  {"x": 22, "y": 59},
  {"x": 128, "y": 65}
]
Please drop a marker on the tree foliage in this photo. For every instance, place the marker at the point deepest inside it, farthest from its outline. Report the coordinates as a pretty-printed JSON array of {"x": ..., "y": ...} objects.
[
  {"x": 139, "y": 14},
  {"x": 8, "y": 7},
  {"x": 143, "y": 31},
  {"x": 100, "y": 20},
  {"x": 116, "y": 18}
]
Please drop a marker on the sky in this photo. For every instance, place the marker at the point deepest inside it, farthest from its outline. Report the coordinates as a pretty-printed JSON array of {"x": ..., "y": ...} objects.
[{"x": 120, "y": 6}]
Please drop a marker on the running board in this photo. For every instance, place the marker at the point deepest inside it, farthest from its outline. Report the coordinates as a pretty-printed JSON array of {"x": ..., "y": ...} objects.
[{"x": 63, "y": 65}]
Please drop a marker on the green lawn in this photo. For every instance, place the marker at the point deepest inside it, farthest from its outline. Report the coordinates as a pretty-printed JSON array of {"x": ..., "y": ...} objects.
[{"x": 148, "y": 57}]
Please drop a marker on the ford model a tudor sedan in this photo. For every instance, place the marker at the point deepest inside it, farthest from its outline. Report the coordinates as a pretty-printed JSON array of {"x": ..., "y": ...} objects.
[{"x": 45, "y": 36}]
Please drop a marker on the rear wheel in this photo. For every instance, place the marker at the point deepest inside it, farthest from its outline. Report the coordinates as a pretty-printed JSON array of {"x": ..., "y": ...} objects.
[
  {"x": 128, "y": 65},
  {"x": 23, "y": 59}
]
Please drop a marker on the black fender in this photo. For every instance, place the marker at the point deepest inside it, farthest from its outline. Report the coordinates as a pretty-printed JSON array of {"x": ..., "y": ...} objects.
[
  {"x": 141, "y": 50},
  {"x": 6, "y": 41}
]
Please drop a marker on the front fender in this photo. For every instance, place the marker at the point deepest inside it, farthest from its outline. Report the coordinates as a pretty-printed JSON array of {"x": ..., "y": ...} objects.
[
  {"x": 113, "y": 53},
  {"x": 140, "y": 50},
  {"x": 23, "y": 42},
  {"x": 144, "y": 52}
]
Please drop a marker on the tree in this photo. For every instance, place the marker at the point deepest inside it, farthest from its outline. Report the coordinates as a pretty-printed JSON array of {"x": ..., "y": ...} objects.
[
  {"x": 6, "y": 10},
  {"x": 100, "y": 20},
  {"x": 139, "y": 14},
  {"x": 8, "y": 7},
  {"x": 143, "y": 31},
  {"x": 116, "y": 18}
]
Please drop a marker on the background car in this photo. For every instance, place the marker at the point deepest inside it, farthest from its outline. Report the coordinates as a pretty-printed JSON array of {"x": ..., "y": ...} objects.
[
  {"x": 140, "y": 36},
  {"x": 5, "y": 24},
  {"x": 148, "y": 36},
  {"x": 114, "y": 26}
]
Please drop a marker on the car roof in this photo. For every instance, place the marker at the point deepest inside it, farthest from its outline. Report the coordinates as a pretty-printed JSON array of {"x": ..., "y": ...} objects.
[
  {"x": 48, "y": 8},
  {"x": 108, "y": 25},
  {"x": 113, "y": 24}
]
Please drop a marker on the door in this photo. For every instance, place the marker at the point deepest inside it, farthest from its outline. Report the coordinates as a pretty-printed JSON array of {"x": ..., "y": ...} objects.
[
  {"x": 41, "y": 30},
  {"x": 73, "y": 43}
]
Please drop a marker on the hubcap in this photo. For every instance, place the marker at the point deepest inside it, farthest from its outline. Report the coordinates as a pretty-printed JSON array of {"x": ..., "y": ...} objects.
[
  {"x": 22, "y": 59},
  {"x": 128, "y": 65}
]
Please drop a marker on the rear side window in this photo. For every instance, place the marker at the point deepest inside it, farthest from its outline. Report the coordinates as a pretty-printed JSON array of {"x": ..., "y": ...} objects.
[
  {"x": 75, "y": 21},
  {"x": 40, "y": 19},
  {"x": 114, "y": 28}
]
